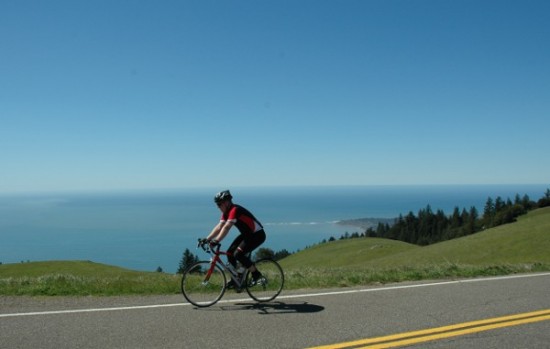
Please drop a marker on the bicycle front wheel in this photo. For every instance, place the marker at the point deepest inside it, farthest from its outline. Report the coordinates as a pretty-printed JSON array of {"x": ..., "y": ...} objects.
[
  {"x": 202, "y": 288},
  {"x": 270, "y": 285}
]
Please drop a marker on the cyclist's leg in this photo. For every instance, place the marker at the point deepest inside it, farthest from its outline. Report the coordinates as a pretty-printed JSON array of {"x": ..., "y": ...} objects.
[
  {"x": 231, "y": 258},
  {"x": 245, "y": 248}
]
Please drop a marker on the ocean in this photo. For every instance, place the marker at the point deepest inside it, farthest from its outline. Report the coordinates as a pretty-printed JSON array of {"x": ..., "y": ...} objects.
[{"x": 144, "y": 230}]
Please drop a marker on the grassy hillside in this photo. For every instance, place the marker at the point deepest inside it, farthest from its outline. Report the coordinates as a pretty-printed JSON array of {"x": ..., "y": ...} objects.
[
  {"x": 526, "y": 241},
  {"x": 518, "y": 247},
  {"x": 81, "y": 278},
  {"x": 81, "y": 268},
  {"x": 347, "y": 253}
]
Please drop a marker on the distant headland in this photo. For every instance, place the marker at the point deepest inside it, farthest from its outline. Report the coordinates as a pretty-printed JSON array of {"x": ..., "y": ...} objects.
[{"x": 366, "y": 223}]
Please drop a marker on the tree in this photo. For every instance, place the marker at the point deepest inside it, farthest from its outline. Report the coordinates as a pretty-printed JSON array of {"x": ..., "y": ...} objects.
[
  {"x": 265, "y": 253},
  {"x": 472, "y": 219},
  {"x": 489, "y": 213},
  {"x": 281, "y": 254},
  {"x": 545, "y": 201},
  {"x": 370, "y": 233},
  {"x": 456, "y": 220},
  {"x": 499, "y": 204},
  {"x": 527, "y": 204},
  {"x": 187, "y": 260}
]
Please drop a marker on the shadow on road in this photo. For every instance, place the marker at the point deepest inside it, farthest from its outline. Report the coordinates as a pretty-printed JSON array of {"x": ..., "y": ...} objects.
[{"x": 277, "y": 308}]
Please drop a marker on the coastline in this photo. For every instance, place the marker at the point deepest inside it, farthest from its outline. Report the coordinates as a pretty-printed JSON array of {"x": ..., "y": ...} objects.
[{"x": 366, "y": 223}]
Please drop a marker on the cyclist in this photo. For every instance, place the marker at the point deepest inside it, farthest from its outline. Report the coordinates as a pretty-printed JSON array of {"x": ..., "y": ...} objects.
[{"x": 251, "y": 236}]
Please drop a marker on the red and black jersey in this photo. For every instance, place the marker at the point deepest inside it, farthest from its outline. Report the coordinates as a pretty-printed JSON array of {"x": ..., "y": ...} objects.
[{"x": 243, "y": 220}]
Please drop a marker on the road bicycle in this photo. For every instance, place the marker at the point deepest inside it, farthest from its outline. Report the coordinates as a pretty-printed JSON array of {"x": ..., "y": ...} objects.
[{"x": 204, "y": 283}]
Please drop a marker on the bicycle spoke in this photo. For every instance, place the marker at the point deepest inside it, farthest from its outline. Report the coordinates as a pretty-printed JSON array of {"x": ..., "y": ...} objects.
[
  {"x": 201, "y": 290},
  {"x": 270, "y": 285}
]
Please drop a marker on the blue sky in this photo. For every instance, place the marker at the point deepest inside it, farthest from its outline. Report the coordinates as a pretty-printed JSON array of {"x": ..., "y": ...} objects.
[{"x": 101, "y": 95}]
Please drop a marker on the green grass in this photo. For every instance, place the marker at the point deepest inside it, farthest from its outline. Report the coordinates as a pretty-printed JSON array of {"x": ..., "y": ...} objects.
[
  {"x": 513, "y": 248},
  {"x": 81, "y": 278},
  {"x": 526, "y": 241}
]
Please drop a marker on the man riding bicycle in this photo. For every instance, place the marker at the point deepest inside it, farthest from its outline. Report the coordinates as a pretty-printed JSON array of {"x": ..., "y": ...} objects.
[{"x": 252, "y": 234}]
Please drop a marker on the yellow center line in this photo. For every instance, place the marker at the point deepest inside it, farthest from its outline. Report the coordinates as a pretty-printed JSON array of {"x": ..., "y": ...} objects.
[{"x": 426, "y": 335}]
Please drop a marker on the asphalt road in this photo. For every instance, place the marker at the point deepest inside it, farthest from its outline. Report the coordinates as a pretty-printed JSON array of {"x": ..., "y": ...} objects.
[{"x": 295, "y": 320}]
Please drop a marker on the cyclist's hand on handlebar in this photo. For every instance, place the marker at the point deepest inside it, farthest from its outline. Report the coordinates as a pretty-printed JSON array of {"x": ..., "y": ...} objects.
[{"x": 207, "y": 243}]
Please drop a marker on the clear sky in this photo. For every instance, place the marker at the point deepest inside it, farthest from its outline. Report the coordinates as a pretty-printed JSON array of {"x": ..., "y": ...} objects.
[{"x": 173, "y": 94}]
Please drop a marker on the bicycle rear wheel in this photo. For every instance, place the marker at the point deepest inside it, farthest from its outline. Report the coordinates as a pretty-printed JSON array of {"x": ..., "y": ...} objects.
[
  {"x": 201, "y": 289},
  {"x": 270, "y": 285}
]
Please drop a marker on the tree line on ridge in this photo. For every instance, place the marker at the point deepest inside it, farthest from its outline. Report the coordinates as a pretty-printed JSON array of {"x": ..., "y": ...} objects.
[{"x": 429, "y": 227}]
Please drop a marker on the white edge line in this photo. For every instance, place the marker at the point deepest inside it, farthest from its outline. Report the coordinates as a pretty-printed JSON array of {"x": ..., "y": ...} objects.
[{"x": 331, "y": 293}]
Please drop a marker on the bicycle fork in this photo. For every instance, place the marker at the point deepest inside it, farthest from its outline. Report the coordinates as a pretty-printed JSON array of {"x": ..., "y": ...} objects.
[{"x": 213, "y": 262}]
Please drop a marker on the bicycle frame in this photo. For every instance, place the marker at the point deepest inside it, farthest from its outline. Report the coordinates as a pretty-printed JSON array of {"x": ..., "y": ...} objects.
[{"x": 216, "y": 260}]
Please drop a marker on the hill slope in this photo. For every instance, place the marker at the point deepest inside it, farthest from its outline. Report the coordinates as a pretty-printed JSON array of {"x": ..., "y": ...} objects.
[
  {"x": 81, "y": 278},
  {"x": 525, "y": 241},
  {"x": 347, "y": 253},
  {"x": 518, "y": 247}
]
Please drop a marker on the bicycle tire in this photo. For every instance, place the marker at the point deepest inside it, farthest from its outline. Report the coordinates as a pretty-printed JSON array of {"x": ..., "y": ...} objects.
[
  {"x": 274, "y": 277},
  {"x": 199, "y": 291}
]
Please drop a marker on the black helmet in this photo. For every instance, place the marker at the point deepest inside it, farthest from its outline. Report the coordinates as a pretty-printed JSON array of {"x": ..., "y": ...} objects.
[{"x": 222, "y": 196}]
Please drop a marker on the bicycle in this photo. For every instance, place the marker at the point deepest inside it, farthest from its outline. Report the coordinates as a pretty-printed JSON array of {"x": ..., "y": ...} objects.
[{"x": 204, "y": 283}]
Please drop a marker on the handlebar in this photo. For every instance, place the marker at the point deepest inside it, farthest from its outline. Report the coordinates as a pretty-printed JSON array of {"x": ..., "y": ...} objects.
[{"x": 209, "y": 246}]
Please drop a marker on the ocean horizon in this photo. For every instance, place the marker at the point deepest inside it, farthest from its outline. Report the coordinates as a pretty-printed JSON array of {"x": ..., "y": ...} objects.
[{"x": 147, "y": 229}]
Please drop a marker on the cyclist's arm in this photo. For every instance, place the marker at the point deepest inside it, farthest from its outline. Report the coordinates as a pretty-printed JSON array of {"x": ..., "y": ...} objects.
[
  {"x": 221, "y": 230},
  {"x": 214, "y": 233}
]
